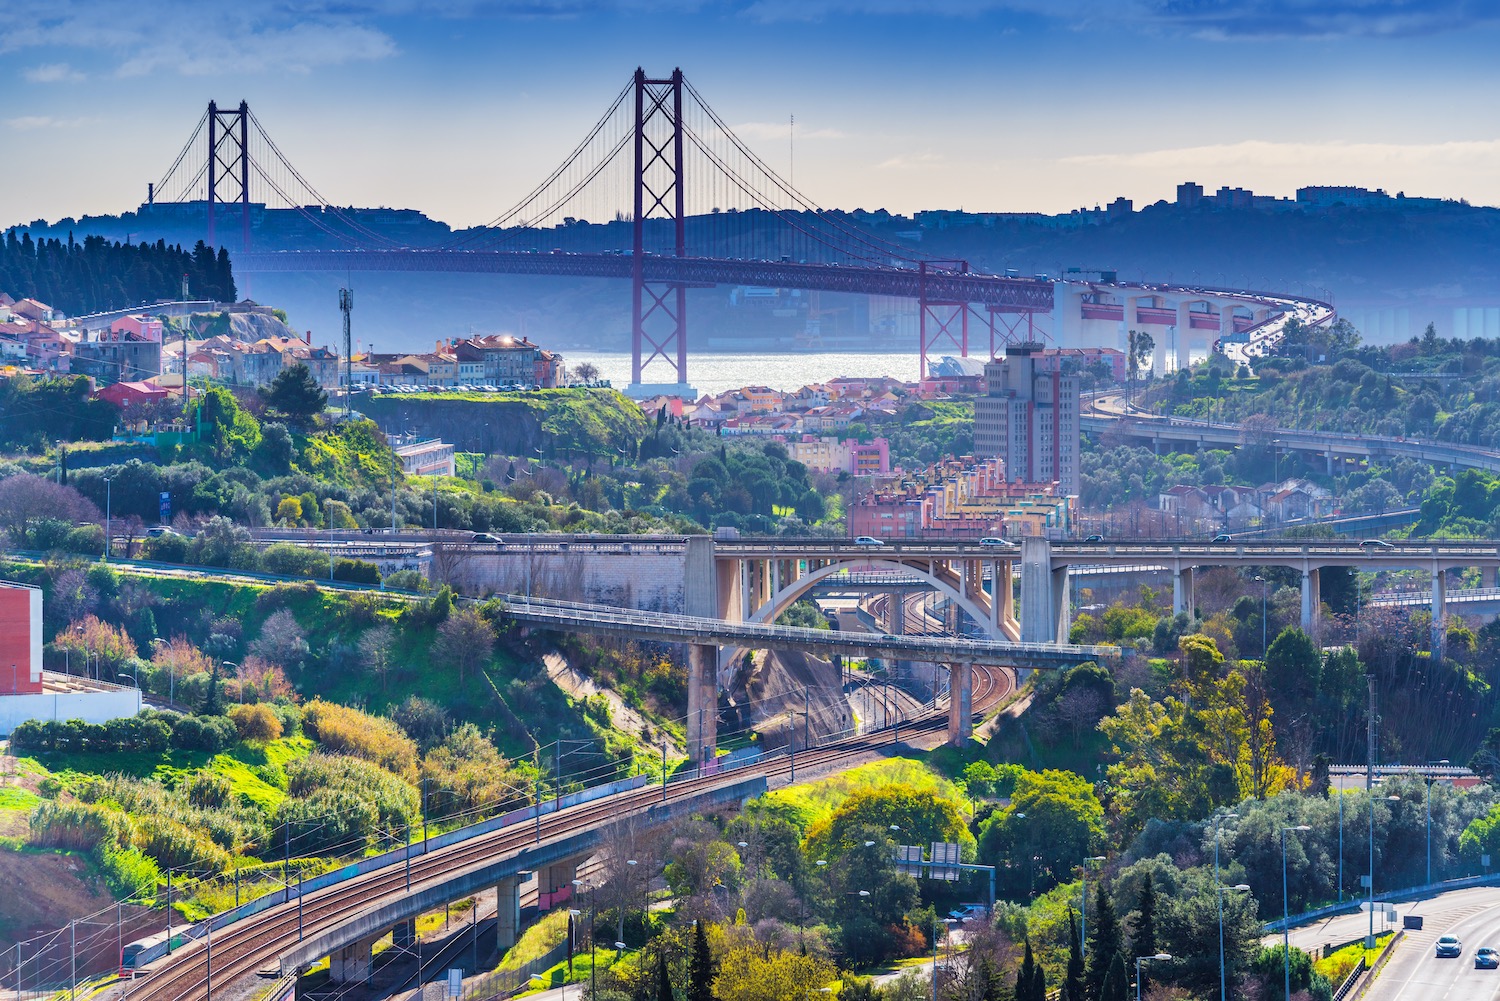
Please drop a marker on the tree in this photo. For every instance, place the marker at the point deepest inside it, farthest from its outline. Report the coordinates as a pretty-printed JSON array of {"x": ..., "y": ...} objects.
[
  {"x": 295, "y": 394},
  {"x": 281, "y": 640},
  {"x": 255, "y": 722},
  {"x": 586, "y": 371},
  {"x": 1140, "y": 346},
  {"x": 376, "y": 646},
  {"x": 1116, "y": 984},
  {"x": 1104, "y": 946},
  {"x": 1054, "y": 815},
  {"x": 26, "y": 500},
  {"x": 700, "y": 968},
  {"x": 663, "y": 978},
  {"x": 1143, "y": 940},
  {"x": 213, "y": 702},
  {"x": 1026, "y": 978},
  {"x": 1072, "y": 987},
  {"x": 424, "y": 721},
  {"x": 465, "y": 639}
]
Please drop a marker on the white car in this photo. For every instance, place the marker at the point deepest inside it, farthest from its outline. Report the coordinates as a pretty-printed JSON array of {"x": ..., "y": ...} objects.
[
  {"x": 866, "y": 540},
  {"x": 998, "y": 544}
]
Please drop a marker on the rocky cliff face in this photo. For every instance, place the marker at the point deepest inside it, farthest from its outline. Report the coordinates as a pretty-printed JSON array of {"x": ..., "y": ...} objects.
[{"x": 254, "y": 326}]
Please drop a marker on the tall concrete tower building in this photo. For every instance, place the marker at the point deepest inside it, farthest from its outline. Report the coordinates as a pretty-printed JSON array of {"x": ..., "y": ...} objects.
[{"x": 1029, "y": 418}]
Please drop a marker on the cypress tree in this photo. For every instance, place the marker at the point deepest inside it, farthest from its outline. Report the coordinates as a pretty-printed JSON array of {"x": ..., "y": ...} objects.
[
  {"x": 663, "y": 979},
  {"x": 1072, "y": 989},
  {"x": 1104, "y": 945},
  {"x": 700, "y": 969},
  {"x": 1026, "y": 977},
  {"x": 1116, "y": 986},
  {"x": 1143, "y": 942}
]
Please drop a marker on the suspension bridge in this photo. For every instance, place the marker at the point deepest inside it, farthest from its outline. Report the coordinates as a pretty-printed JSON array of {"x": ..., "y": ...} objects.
[{"x": 661, "y": 193}]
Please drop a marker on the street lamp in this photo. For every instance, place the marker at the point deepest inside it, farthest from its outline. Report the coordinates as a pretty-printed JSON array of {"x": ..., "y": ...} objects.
[
  {"x": 1083, "y": 924},
  {"x": 1240, "y": 887},
  {"x": 1370, "y": 940},
  {"x": 1286, "y": 933},
  {"x": 1160, "y": 957},
  {"x": 945, "y": 921},
  {"x": 1218, "y": 829},
  {"x": 1262, "y": 581},
  {"x": 107, "y": 500},
  {"x": 1429, "y": 777}
]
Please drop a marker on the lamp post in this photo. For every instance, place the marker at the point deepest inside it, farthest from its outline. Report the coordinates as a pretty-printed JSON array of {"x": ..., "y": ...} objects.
[
  {"x": 945, "y": 921},
  {"x": 1241, "y": 887},
  {"x": 1443, "y": 761},
  {"x": 1160, "y": 957},
  {"x": 1262, "y": 581},
  {"x": 1370, "y": 939},
  {"x": 1218, "y": 829},
  {"x": 1286, "y": 934},
  {"x": 107, "y": 500},
  {"x": 1083, "y": 912}
]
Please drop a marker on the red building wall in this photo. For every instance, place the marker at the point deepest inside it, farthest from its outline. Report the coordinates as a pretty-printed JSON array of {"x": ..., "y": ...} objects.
[{"x": 20, "y": 640}]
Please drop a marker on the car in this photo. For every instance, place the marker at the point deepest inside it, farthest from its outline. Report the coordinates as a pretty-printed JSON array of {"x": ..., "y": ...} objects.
[
  {"x": 1487, "y": 958},
  {"x": 1221, "y": 538},
  {"x": 158, "y": 531},
  {"x": 483, "y": 537},
  {"x": 967, "y": 912},
  {"x": 1449, "y": 947},
  {"x": 866, "y": 540},
  {"x": 1376, "y": 544},
  {"x": 1094, "y": 538},
  {"x": 997, "y": 544}
]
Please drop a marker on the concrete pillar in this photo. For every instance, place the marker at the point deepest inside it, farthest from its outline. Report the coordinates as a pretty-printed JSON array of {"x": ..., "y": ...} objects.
[
  {"x": 404, "y": 935},
  {"x": 703, "y": 703},
  {"x": 896, "y": 614},
  {"x": 1006, "y": 590},
  {"x": 700, "y": 590},
  {"x": 1226, "y": 320},
  {"x": 1311, "y": 600},
  {"x": 1487, "y": 576},
  {"x": 1062, "y": 606},
  {"x": 960, "y": 704},
  {"x": 775, "y": 588},
  {"x": 507, "y": 912},
  {"x": 1330, "y": 462},
  {"x": 1038, "y": 624},
  {"x": 351, "y": 964},
  {"x": 1439, "y": 610},
  {"x": 1184, "y": 334},
  {"x": 555, "y": 885},
  {"x": 746, "y": 598},
  {"x": 1182, "y": 590}
]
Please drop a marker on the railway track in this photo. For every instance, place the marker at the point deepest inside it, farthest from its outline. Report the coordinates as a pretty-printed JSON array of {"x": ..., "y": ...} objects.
[{"x": 250, "y": 945}]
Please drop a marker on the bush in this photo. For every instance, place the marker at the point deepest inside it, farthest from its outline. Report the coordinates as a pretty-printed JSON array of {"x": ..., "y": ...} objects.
[
  {"x": 204, "y": 733},
  {"x": 293, "y": 561},
  {"x": 176, "y": 846},
  {"x": 255, "y": 722},
  {"x": 208, "y": 790},
  {"x": 349, "y": 731},
  {"x": 356, "y": 571},
  {"x": 78, "y": 826},
  {"x": 85, "y": 539},
  {"x": 407, "y": 580},
  {"x": 146, "y": 732},
  {"x": 337, "y": 804}
]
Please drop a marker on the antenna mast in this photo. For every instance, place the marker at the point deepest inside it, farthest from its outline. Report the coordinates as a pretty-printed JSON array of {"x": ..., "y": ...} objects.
[{"x": 346, "y": 306}]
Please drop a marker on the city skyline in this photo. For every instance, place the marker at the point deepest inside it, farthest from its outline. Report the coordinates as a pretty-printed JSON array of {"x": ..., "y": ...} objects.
[{"x": 1002, "y": 106}]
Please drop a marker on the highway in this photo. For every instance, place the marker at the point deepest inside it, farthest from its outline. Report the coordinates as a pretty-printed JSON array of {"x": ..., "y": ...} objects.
[{"x": 1413, "y": 972}]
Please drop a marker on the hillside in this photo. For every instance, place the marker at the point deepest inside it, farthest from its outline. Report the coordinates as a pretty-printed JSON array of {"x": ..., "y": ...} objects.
[{"x": 555, "y": 422}]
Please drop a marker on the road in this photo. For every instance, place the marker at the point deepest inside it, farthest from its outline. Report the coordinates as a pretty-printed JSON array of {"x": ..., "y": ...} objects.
[{"x": 1413, "y": 972}]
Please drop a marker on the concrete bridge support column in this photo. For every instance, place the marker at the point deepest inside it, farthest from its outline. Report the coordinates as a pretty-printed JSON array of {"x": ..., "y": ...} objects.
[
  {"x": 703, "y": 703},
  {"x": 351, "y": 964},
  {"x": 1184, "y": 335},
  {"x": 555, "y": 885},
  {"x": 507, "y": 912},
  {"x": 1439, "y": 611},
  {"x": 1182, "y": 590},
  {"x": 1487, "y": 576},
  {"x": 1226, "y": 320},
  {"x": 1330, "y": 462},
  {"x": 895, "y": 613},
  {"x": 1062, "y": 605},
  {"x": 1311, "y": 600},
  {"x": 1044, "y": 594},
  {"x": 960, "y": 704}
]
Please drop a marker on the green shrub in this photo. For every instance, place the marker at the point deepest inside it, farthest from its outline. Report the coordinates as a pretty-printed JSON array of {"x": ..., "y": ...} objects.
[
  {"x": 356, "y": 571},
  {"x": 176, "y": 846},
  {"x": 373, "y": 738},
  {"x": 204, "y": 733},
  {"x": 208, "y": 790},
  {"x": 78, "y": 826}
]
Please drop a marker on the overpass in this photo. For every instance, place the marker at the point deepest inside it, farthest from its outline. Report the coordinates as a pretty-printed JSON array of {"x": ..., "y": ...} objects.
[{"x": 1181, "y": 432}]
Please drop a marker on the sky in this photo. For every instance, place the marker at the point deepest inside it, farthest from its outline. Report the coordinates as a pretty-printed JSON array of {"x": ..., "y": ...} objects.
[{"x": 459, "y": 107}]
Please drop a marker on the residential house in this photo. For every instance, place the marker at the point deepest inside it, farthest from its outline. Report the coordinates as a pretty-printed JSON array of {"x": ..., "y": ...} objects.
[{"x": 131, "y": 395}]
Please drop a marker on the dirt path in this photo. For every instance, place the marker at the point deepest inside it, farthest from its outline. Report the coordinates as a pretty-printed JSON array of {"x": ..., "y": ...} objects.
[{"x": 580, "y": 687}]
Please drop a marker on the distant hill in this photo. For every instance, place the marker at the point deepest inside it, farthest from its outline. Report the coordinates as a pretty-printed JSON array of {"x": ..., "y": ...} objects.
[{"x": 1390, "y": 268}]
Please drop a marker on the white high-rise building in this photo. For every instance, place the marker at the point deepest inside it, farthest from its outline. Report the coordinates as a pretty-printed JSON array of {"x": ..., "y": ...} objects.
[{"x": 1029, "y": 418}]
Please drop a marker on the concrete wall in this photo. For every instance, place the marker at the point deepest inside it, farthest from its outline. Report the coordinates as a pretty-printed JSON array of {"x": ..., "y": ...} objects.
[
  {"x": 20, "y": 639},
  {"x": 91, "y": 707},
  {"x": 644, "y": 579}
]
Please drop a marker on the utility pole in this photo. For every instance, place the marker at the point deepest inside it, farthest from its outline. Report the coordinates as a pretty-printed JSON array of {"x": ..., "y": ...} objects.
[
  {"x": 346, "y": 306},
  {"x": 1370, "y": 736}
]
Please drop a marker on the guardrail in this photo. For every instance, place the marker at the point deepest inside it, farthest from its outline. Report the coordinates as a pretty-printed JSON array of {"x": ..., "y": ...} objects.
[{"x": 1352, "y": 905}]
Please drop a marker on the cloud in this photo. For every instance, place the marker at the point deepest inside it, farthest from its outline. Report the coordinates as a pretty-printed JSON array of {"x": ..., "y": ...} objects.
[
  {"x": 52, "y": 73},
  {"x": 1260, "y": 153},
  {"x": 769, "y": 131},
  {"x": 909, "y": 161},
  {"x": 1208, "y": 19},
  {"x": 27, "y": 122}
]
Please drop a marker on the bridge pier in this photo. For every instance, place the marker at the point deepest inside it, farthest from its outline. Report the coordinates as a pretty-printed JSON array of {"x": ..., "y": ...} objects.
[
  {"x": 1044, "y": 594},
  {"x": 1487, "y": 576},
  {"x": 351, "y": 964},
  {"x": 896, "y": 614},
  {"x": 703, "y": 704},
  {"x": 960, "y": 703},
  {"x": 1182, "y": 590},
  {"x": 1312, "y": 601},
  {"x": 1439, "y": 611},
  {"x": 507, "y": 912},
  {"x": 404, "y": 935},
  {"x": 555, "y": 885}
]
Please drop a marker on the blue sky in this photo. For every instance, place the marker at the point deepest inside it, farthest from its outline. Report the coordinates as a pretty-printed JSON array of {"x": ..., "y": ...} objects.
[{"x": 457, "y": 107}]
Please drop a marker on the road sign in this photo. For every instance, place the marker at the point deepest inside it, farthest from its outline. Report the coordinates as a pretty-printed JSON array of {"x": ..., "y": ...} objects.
[
  {"x": 945, "y": 859},
  {"x": 455, "y": 983},
  {"x": 166, "y": 506},
  {"x": 909, "y": 860}
]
